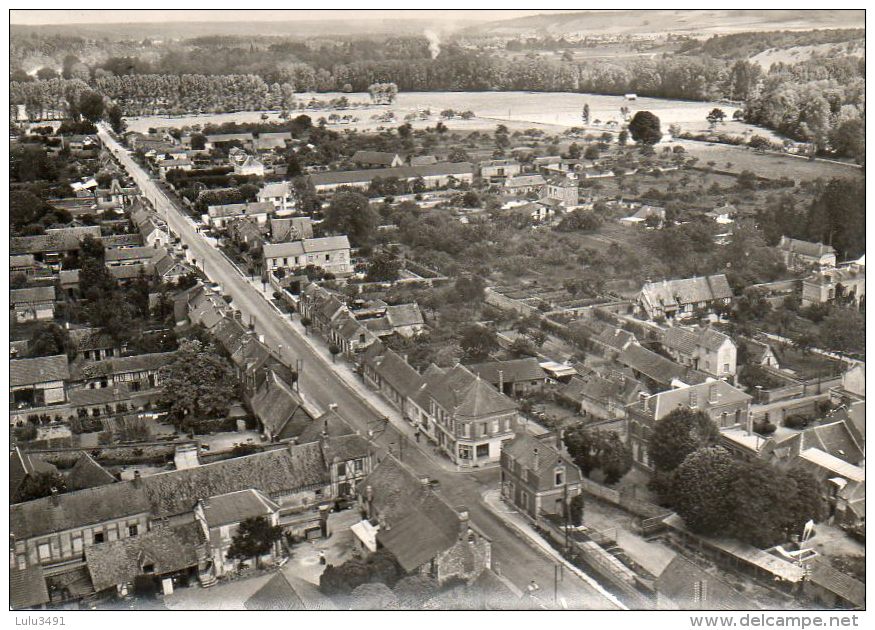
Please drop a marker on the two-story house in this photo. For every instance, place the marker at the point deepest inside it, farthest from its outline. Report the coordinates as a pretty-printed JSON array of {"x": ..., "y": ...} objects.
[
  {"x": 681, "y": 298},
  {"x": 32, "y": 304},
  {"x": 37, "y": 383},
  {"x": 538, "y": 476},
  {"x": 279, "y": 194},
  {"x": 498, "y": 170},
  {"x": 471, "y": 418},
  {"x": 703, "y": 349},
  {"x": 724, "y": 404},
  {"x": 330, "y": 253},
  {"x": 803, "y": 255}
]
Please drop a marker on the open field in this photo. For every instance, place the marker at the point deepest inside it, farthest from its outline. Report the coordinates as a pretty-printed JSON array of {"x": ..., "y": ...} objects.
[{"x": 560, "y": 109}]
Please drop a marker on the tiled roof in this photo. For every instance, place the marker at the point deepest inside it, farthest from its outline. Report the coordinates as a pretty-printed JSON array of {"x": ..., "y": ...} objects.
[
  {"x": 678, "y": 582},
  {"x": 230, "y": 334},
  {"x": 275, "y": 189},
  {"x": 652, "y": 365},
  {"x": 125, "y": 365},
  {"x": 511, "y": 371},
  {"x": 240, "y": 209},
  {"x": 22, "y": 260},
  {"x": 401, "y": 172},
  {"x": 27, "y": 587},
  {"x": 705, "y": 395},
  {"x": 393, "y": 369},
  {"x": 76, "y": 509},
  {"x": 279, "y": 409},
  {"x": 417, "y": 523},
  {"x": 32, "y": 295},
  {"x": 167, "y": 549},
  {"x": 122, "y": 240},
  {"x": 23, "y": 372},
  {"x": 234, "y": 507},
  {"x": 522, "y": 450},
  {"x": 306, "y": 246},
  {"x": 87, "y": 473},
  {"x": 54, "y": 240},
  {"x": 832, "y": 465},
  {"x": 330, "y": 423},
  {"x": 806, "y": 248},
  {"x": 834, "y": 438},
  {"x": 85, "y": 396},
  {"x": 404, "y": 315},
  {"x": 342, "y": 448},
  {"x": 229, "y": 137},
  {"x": 687, "y": 290},
  {"x": 283, "y": 592},
  {"x": 91, "y": 338},
  {"x": 845, "y": 586},
  {"x": 524, "y": 180},
  {"x": 374, "y": 157},
  {"x": 68, "y": 277},
  {"x": 291, "y": 228}
]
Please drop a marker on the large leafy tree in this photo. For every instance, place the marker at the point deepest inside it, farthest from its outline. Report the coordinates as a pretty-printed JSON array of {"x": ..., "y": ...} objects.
[
  {"x": 478, "y": 341},
  {"x": 384, "y": 267},
  {"x": 844, "y": 329},
  {"x": 595, "y": 449},
  {"x": 198, "y": 383},
  {"x": 760, "y": 498},
  {"x": 350, "y": 213},
  {"x": 254, "y": 538},
  {"x": 645, "y": 128},
  {"x": 39, "y": 485},
  {"x": 699, "y": 489},
  {"x": 49, "y": 339},
  {"x": 677, "y": 435}
]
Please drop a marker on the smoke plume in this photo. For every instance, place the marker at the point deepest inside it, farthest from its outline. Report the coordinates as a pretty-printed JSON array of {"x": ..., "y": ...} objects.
[{"x": 434, "y": 43}]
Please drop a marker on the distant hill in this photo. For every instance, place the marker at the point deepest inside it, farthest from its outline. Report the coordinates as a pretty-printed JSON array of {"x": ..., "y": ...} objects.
[
  {"x": 628, "y": 22},
  {"x": 185, "y": 30}
]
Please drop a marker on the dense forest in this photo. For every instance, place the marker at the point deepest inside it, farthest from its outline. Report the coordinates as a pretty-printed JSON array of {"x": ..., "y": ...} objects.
[{"x": 818, "y": 100}]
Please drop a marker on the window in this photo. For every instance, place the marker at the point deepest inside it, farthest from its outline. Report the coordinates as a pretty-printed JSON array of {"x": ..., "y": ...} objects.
[
  {"x": 359, "y": 465},
  {"x": 464, "y": 452},
  {"x": 495, "y": 426},
  {"x": 149, "y": 568},
  {"x": 77, "y": 545},
  {"x": 45, "y": 551},
  {"x": 132, "y": 530},
  {"x": 327, "y": 256},
  {"x": 726, "y": 367},
  {"x": 559, "y": 476},
  {"x": 482, "y": 450},
  {"x": 98, "y": 538},
  {"x": 484, "y": 428}
]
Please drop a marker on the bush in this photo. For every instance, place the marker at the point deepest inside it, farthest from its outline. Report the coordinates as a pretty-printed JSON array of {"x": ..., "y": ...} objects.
[
  {"x": 764, "y": 427},
  {"x": 796, "y": 421}
]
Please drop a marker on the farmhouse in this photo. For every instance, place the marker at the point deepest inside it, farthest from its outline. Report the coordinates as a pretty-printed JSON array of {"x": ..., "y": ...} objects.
[
  {"x": 706, "y": 350},
  {"x": 432, "y": 176},
  {"x": 376, "y": 159},
  {"x": 681, "y": 298},
  {"x": 220, "y": 215},
  {"x": 492, "y": 170}
]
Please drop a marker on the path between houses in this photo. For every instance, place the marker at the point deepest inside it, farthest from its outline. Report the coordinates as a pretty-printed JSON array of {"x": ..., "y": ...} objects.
[{"x": 516, "y": 521}]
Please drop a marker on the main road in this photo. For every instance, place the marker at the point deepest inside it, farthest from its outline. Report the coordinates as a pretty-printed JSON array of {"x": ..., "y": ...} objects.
[{"x": 519, "y": 561}]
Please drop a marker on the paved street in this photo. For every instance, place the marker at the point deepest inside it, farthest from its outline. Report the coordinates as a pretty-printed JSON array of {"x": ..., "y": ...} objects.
[{"x": 519, "y": 560}]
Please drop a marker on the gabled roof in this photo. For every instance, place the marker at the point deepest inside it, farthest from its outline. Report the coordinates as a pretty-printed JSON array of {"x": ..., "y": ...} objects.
[
  {"x": 330, "y": 424},
  {"x": 834, "y": 438},
  {"x": 704, "y": 395},
  {"x": 21, "y": 465},
  {"x": 279, "y": 409},
  {"x": 23, "y": 372},
  {"x": 524, "y": 180},
  {"x": 91, "y": 338},
  {"x": 805, "y": 248},
  {"x": 395, "y": 371},
  {"x": 440, "y": 169},
  {"x": 687, "y": 290},
  {"x": 27, "y": 587},
  {"x": 167, "y": 549},
  {"x": 22, "y": 260},
  {"x": 375, "y": 157},
  {"x": 282, "y": 592},
  {"x": 416, "y": 524},
  {"x": 690, "y": 587},
  {"x": 832, "y": 465},
  {"x": 275, "y": 189},
  {"x": 85, "y": 396},
  {"x": 539, "y": 455},
  {"x": 404, "y": 315},
  {"x": 652, "y": 365},
  {"x": 125, "y": 365},
  {"x": 687, "y": 340},
  {"x": 845, "y": 586},
  {"x": 87, "y": 473},
  {"x": 237, "y": 506},
  {"x": 32, "y": 295},
  {"x": 129, "y": 253},
  {"x": 511, "y": 371},
  {"x": 306, "y": 246},
  {"x": 240, "y": 209}
]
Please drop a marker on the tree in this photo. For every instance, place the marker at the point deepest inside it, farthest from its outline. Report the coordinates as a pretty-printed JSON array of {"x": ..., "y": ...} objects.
[
  {"x": 39, "y": 485},
  {"x": 591, "y": 152},
  {"x": 645, "y": 128},
  {"x": 254, "y": 538},
  {"x": 468, "y": 289},
  {"x": 699, "y": 489},
  {"x": 759, "y": 144},
  {"x": 351, "y": 213},
  {"x": 715, "y": 116},
  {"x": 747, "y": 180},
  {"x": 90, "y": 106},
  {"x": 478, "y": 341},
  {"x": 114, "y": 117},
  {"x": 198, "y": 141},
  {"x": 46, "y": 74},
  {"x": 575, "y": 510},
  {"x": 380, "y": 567},
  {"x": 596, "y": 449},
  {"x": 849, "y": 139},
  {"x": 49, "y": 340},
  {"x": 334, "y": 349},
  {"x": 458, "y": 154},
  {"x": 808, "y": 502},
  {"x": 383, "y": 267},
  {"x": 844, "y": 329},
  {"x": 623, "y": 137},
  {"x": 762, "y": 499},
  {"x": 677, "y": 435},
  {"x": 198, "y": 383}
]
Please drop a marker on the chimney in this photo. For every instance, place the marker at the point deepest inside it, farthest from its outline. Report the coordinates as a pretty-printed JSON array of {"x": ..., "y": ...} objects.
[
  {"x": 462, "y": 511},
  {"x": 536, "y": 459},
  {"x": 55, "y": 498},
  {"x": 501, "y": 381},
  {"x": 138, "y": 480},
  {"x": 559, "y": 440}
]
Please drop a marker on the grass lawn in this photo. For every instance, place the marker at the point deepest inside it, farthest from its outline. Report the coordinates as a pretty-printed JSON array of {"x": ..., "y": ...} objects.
[{"x": 806, "y": 365}]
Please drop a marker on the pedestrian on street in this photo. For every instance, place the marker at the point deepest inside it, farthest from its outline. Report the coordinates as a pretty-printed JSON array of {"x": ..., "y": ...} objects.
[
  {"x": 321, "y": 557},
  {"x": 416, "y": 435}
]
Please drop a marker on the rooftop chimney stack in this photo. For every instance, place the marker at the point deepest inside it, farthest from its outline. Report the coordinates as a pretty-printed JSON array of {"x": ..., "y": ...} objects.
[
  {"x": 462, "y": 511},
  {"x": 536, "y": 459},
  {"x": 501, "y": 381}
]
